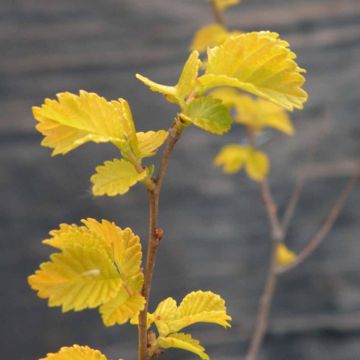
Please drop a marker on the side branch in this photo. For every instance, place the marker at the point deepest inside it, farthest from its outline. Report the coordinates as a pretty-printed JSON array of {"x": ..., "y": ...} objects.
[
  {"x": 328, "y": 224},
  {"x": 217, "y": 13}
]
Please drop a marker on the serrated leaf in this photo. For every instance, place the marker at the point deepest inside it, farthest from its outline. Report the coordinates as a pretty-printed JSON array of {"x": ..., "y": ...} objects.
[
  {"x": 209, "y": 36},
  {"x": 231, "y": 158},
  {"x": 201, "y": 306},
  {"x": 255, "y": 113},
  {"x": 257, "y": 165},
  {"x": 93, "y": 254},
  {"x": 186, "y": 83},
  {"x": 208, "y": 114},
  {"x": 123, "y": 307},
  {"x": 259, "y": 63},
  {"x": 184, "y": 342},
  {"x": 223, "y": 4},
  {"x": 73, "y": 120},
  {"x": 115, "y": 177},
  {"x": 284, "y": 256},
  {"x": 75, "y": 352},
  {"x": 78, "y": 278},
  {"x": 165, "y": 313},
  {"x": 149, "y": 142}
]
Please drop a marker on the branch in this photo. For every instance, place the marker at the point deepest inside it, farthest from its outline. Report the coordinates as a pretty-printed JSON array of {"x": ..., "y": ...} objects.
[
  {"x": 264, "y": 308},
  {"x": 328, "y": 224},
  {"x": 154, "y": 235}
]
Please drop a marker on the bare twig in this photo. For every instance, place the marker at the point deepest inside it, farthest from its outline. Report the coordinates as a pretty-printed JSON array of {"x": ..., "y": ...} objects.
[
  {"x": 264, "y": 308},
  {"x": 304, "y": 174},
  {"x": 298, "y": 188},
  {"x": 328, "y": 224},
  {"x": 277, "y": 236},
  {"x": 154, "y": 235}
]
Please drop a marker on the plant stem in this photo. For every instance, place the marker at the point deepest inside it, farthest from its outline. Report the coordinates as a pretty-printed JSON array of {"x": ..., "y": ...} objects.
[
  {"x": 154, "y": 235},
  {"x": 217, "y": 13},
  {"x": 277, "y": 235},
  {"x": 334, "y": 213},
  {"x": 264, "y": 308}
]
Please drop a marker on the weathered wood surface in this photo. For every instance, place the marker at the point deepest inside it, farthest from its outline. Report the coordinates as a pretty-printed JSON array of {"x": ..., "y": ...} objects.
[{"x": 215, "y": 228}]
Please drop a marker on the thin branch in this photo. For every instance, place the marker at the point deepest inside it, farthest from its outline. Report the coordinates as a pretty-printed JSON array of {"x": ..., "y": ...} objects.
[
  {"x": 328, "y": 224},
  {"x": 277, "y": 232},
  {"x": 304, "y": 173},
  {"x": 154, "y": 235},
  {"x": 217, "y": 13},
  {"x": 298, "y": 188},
  {"x": 264, "y": 308}
]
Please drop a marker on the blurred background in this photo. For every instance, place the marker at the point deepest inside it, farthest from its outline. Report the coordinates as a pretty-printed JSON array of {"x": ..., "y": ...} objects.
[{"x": 216, "y": 232}]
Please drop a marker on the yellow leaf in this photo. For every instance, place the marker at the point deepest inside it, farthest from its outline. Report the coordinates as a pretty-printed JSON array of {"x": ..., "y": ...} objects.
[
  {"x": 78, "y": 278},
  {"x": 202, "y": 306},
  {"x": 165, "y": 313},
  {"x": 73, "y": 120},
  {"x": 284, "y": 256},
  {"x": 185, "y": 85},
  {"x": 259, "y": 63},
  {"x": 187, "y": 80},
  {"x": 183, "y": 341},
  {"x": 76, "y": 352},
  {"x": 115, "y": 177},
  {"x": 150, "y": 141},
  {"x": 96, "y": 258},
  {"x": 257, "y": 165},
  {"x": 223, "y": 4},
  {"x": 209, "y": 36},
  {"x": 208, "y": 114},
  {"x": 232, "y": 158},
  {"x": 255, "y": 113},
  {"x": 123, "y": 307}
]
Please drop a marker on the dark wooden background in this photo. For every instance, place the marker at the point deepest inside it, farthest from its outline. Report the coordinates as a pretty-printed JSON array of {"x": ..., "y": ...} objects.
[{"x": 216, "y": 233}]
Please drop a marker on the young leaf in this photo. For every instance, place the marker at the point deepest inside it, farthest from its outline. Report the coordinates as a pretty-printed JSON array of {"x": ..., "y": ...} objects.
[
  {"x": 208, "y": 114},
  {"x": 149, "y": 142},
  {"x": 201, "y": 306},
  {"x": 259, "y": 63},
  {"x": 223, "y": 4},
  {"x": 115, "y": 178},
  {"x": 231, "y": 158},
  {"x": 186, "y": 83},
  {"x": 255, "y": 113},
  {"x": 209, "y": 36},
  {"x": 75, "y": 352},
  {"x": 165, "y": 313},
  {"x": 124, "y": 306},
  {"x": 73, "y": 120},
  {"x": 78, "y": 278},
  {"x": 182, "y": 341},
  {"x": 284, "y": 256},
  {"x": 99, "y": 261},
  {"x": 257, "y": 165}
]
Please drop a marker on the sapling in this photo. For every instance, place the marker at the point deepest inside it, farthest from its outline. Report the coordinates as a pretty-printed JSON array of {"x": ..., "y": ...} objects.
[{"x": 246, "y": 78}]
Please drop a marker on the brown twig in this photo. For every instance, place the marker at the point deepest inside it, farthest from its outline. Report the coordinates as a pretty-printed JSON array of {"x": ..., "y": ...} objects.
[
  {"x": 154, "y": 235},
  {"x": 264, "y": 308},
  {"x": 277, "y": 236},
  {"x": 328, "y": 223}
]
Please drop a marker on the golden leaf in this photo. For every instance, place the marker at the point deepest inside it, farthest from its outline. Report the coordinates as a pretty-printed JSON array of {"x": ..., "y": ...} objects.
[
  {"x": 76, "y": 352},
  {"x": 184, "y": 342},
  {"x": 115, "y": 177},
  {"x": 284, "y": 256},
  {"x": 259, "y": 63}
]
